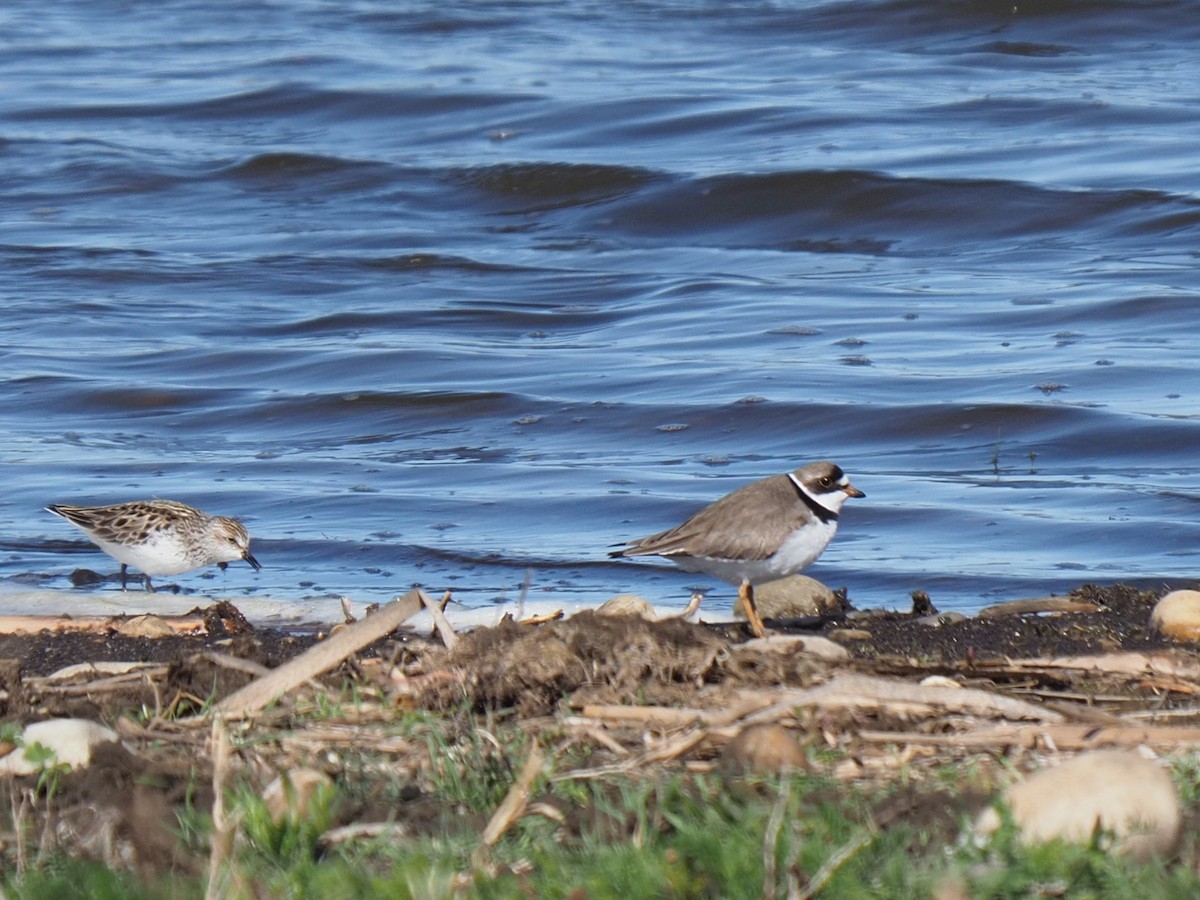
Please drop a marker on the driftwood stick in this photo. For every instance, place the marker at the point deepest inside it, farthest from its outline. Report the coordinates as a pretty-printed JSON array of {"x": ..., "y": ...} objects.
[
  {"x": 846, "y": 691},
  {"x": 660, "y": 716},
  {"x": 513, "y": 805},
  {"x": 851, "y": 691},
  {"x": 364, "y": 831},
  {"x": 693, "y": 605},
  {"x": 101, "y": 624},
  {"x": 543, "y": 618},
  {"x": 1163, "y": 663},
  {"x": 674, "y": 748},
  {"x": 104, "y": 685},
  {"x": 1064, "y": 737},
  {"x": 743, "y": 703},
  {"x": 444, "y": 628},
  {"x": 235, "y": 663},
  {"x": 829, "y": 869},
  {"x": 1038, "y": 605},
  {"x": 319, "y": 658},
  {"x": 221, "y": 844},
  {"x": 770, "y": 850}
]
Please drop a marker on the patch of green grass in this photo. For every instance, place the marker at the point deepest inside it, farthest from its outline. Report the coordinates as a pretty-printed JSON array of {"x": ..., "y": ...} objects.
[
  {"x": 286, "y": 839},
  {"x": 474, "y": 766},
  {"x": 1006, "y": 868},
  {"x": 642, "y": 834},
  {"x": 1185, "y": 772},
  {"x": 61, "y": 878}
]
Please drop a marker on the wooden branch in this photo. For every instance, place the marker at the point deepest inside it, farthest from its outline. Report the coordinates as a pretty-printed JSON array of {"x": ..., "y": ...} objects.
[
  {"x": 1163, "y": 663},
  {"x": 853, "y": 691},
  {"x": 1063, "y": 737},
  {"x": 845, "y": 691},
  {"x": 674, "y": 748},
  {"x": 224, "y": 826},
  {"x": 658, "y": 716},
  {"x": 358, "y": 831},
  {"x": 318, "y": 659},
  {"x": 543, "y": 618},
  {"x": 444, "y": 628},
  {"x": 1040, "y": 605},
  {"x": 513, "y": 805},
  {"x": 98, "y": 624}
]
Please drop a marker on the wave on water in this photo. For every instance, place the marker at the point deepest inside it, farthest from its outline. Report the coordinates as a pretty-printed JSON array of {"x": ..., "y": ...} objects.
[{"x": 442, "y": 292}]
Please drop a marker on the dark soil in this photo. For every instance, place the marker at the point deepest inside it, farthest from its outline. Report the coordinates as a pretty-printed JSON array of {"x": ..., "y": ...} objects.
[{"x": 1121, "y": 622}]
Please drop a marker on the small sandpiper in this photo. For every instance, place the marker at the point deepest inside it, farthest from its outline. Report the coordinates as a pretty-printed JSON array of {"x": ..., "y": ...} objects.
[
  {"x": 761, "y": 532},
  {"x": 160, "y": 537}
]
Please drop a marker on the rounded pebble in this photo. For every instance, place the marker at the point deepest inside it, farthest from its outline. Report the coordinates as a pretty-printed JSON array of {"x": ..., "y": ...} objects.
[
  {"x": 793, "y": 597},
  {"x": 627, "y": 605},
  {"x": 70, "y": 741},
  {"x": 1177, "y": 616},
  {"x": 1120, "y": 791},
  {"x": 764, "y": 750}
]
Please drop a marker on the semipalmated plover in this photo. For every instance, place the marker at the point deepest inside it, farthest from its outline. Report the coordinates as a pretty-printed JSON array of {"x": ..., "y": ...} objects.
[
  {"x": 160, "y": 537},
  {"x": 761, "y": 532}
]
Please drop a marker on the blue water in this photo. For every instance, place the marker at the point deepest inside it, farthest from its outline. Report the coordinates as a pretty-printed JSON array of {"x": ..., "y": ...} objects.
[{"x": 462, "y": 293}]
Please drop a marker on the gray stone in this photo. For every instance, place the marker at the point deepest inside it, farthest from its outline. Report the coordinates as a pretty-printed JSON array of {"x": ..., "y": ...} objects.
[{"x": 791, "y": 598}]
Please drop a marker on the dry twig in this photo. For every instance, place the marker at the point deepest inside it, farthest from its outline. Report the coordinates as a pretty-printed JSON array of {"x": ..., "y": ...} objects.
[
  {"x": 221, "y": 842},
  {"x": 444, "y": 628},
  {"x": 320, "y": 658},
  {"x": 515, "y": 801}
]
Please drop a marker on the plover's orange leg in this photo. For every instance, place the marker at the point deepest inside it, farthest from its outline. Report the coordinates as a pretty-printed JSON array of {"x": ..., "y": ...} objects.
[{"x": 746, "y": 599}]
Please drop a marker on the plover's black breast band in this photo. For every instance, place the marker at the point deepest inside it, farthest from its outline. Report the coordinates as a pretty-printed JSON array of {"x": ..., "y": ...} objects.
[{"x": 821, "y": 512}]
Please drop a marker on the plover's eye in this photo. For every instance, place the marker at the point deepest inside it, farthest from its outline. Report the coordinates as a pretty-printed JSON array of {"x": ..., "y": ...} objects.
[{"x": 826, "y": 482}]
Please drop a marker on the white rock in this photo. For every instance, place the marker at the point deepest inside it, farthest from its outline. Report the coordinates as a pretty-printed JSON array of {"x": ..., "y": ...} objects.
[
  {"x": 1118, "y": 791},
  {"x": 146, "y": 626},
  {"x": 1177, "y": 616},
  {"x": 939, "y": 681},
  {"x": 786, "y": 643},
  {"x": 937, "y": 620},
  {"x": 70, "y": 740},
  {"x": 627, "y": 605}
]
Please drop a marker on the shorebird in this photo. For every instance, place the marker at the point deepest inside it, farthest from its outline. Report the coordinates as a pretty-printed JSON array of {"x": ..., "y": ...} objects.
[
  {"x": 160, "y": 537},
  {"x": 761, "y": 532}
]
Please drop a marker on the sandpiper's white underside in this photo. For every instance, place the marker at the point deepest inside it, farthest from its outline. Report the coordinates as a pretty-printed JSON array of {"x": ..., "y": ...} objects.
[
  {"x": 162, "y": 553},
  {"x": 798, "y": 550}
]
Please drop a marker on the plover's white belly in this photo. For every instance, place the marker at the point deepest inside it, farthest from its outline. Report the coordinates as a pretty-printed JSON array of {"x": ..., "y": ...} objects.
[
  {"x": 797, "y": 551},
  {"x": 162, "y": 553}
]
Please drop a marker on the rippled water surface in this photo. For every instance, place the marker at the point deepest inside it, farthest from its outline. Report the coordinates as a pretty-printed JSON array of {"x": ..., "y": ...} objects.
[{"x": 461, "y": 293}]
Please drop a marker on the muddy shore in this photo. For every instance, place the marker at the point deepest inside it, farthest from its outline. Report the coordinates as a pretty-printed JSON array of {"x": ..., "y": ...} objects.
[{"x": 630, "y": 679}]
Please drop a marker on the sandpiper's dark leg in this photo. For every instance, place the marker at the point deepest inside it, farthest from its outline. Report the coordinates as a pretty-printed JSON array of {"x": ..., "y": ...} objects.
[
  {"x": 123, "y": 568},
  {"x": 149, "y": 586},
  {"x": 746, "y": 598}
]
